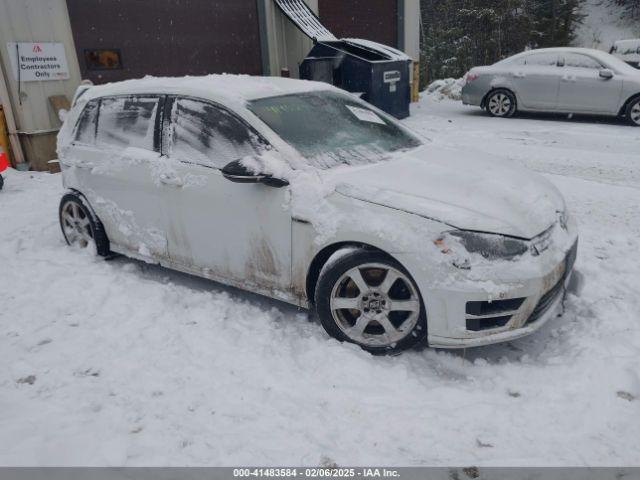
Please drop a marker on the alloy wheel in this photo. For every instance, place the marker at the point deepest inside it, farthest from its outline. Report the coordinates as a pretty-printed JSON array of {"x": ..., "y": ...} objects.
[
  {"x": 634, "y": 113},
  {"x": 375, "y": 305},
  {"x": 499, "y": 104},
  {"x": 76, "y": 225}
]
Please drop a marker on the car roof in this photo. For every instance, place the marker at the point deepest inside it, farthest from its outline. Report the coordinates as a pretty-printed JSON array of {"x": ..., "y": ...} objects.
[
  {"x": 599, "y": 54},
  {"x": 630, "y": 41},
  {"x": 588, "y": 51},
  {"x": 224, "y": 88}
]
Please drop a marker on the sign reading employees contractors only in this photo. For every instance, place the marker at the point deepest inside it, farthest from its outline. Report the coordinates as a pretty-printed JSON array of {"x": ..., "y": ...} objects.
[{"x": 33, "y": 62}]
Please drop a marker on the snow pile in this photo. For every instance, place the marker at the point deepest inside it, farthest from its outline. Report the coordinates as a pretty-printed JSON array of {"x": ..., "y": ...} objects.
[
  {"x": 603, "y": 25},
  {"x": 447, "y": 88}
]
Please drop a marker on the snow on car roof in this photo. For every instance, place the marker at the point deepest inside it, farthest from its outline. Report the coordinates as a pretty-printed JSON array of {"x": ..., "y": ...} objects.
[
  {"x": 628, "y": 41},
  {"x": 598, "y": 54},
  {"x": 588, "y": 51},
  {"x": 223, "y": 88}
]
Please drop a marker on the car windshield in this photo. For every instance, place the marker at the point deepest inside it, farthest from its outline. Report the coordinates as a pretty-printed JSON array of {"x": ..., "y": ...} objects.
[{"x": 330, "y": 129}]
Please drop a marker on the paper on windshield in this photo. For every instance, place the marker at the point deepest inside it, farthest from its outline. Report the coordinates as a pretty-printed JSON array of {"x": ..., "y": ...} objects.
[{"x": 366, "y": 115}]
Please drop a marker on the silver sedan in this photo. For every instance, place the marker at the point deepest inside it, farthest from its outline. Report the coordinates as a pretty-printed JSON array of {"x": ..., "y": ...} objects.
[{"x": 564, "y": 80}]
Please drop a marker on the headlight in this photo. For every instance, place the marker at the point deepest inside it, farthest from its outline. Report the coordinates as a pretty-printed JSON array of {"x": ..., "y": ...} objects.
[{"x": 490, "y": 246}]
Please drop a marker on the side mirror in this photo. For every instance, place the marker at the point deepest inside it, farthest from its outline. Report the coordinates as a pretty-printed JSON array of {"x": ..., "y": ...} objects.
[
  {"x": 236, "y": 172},
  {"x": 606, "y": 73}
]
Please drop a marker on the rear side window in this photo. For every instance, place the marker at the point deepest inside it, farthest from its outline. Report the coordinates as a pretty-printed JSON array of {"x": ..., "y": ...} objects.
[
  {"x": 86, "y": 128},
  {"x": 208, "y": 135},
  {"x": 543, "y": 59},
  {"x": 127, "y": 122}
]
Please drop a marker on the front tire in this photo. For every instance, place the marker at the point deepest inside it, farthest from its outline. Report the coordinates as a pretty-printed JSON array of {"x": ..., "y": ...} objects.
[
  {"x": 633, "y": 112},
  {"x": 501, "y": 103},
  {"x": 80, "y": 227},
  {"x": 367, "y": 298}
]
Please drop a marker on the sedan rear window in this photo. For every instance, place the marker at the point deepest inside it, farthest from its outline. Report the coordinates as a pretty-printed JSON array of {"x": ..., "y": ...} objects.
[
  {"x": 330, "y": 129},
  {"x": 544, "y": 59}
]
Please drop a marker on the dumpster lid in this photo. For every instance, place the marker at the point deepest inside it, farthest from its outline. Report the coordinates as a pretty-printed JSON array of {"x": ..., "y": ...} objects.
[
  {"x": 304, "y": 18},
  {"x": 389, "y": 52}
]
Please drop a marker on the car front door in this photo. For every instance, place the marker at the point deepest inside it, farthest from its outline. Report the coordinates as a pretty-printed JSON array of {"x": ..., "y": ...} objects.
[
  {"x": 584, "y": 90},
  {"x": 115, "y": 157},
  {"x": 237, "y": 233},
  {"x": 536, "y": 80}
]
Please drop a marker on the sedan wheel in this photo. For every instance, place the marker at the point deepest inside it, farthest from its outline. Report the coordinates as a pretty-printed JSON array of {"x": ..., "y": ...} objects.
[
  {"x": 633, "y": 113},
  {"x": 501, "y": 103},
  {"x": 370, "y": 300}
]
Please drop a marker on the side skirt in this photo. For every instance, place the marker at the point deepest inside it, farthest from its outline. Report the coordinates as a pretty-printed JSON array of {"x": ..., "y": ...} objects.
[{"x": 282, "y": 295}]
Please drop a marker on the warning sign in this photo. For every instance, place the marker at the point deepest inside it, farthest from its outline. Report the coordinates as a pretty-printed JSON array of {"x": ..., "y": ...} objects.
[{"x": 33, "y": 62}]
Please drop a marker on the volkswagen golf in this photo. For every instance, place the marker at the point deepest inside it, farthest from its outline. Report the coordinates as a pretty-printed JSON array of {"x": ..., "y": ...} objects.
[{"x": 307, "y": 194}]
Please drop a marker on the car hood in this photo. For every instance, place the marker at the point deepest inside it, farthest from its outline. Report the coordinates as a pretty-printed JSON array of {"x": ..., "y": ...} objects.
[{"x": 460, "y": 188}]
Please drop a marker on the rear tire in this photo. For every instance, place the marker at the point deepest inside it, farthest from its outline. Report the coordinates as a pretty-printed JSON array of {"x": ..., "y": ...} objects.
[
  {"x": 367, "y": 298},
  {"x": 1, "y": 182},
  {"x": 501, "y": 103},
  {"x": 633, "y": 112},
  {"x": 80, "y": 227}
]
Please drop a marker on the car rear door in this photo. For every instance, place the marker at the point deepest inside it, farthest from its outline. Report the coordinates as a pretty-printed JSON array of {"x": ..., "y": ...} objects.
[
  {"x": 237, "y": 233},
  {"x": 583, "y": 90},
  {"x": 118, "y": 172},
  {"x": 536, "y": 80}
]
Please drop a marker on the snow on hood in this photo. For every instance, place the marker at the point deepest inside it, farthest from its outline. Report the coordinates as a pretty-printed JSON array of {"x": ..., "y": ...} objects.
[{"x": 459, "y": 188}]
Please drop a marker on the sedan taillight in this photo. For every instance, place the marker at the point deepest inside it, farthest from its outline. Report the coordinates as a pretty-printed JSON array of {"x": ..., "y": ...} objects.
[{"x": 471, "y": 77}]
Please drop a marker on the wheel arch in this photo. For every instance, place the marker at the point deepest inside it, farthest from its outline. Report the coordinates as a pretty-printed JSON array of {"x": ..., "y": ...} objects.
[
  {"x": 85, "y": 201},
  {"x": 483, "y": 103},
  {"x": 625, "y": 105},
  {"x": 321, "y": 258}
]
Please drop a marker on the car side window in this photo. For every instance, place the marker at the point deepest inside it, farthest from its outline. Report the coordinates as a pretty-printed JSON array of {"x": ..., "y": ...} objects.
[
  {"x": 543, "y": 59},
  {"x": 205, "y": 134},
  {"x": 86, "y": 126},
  {"x": 581, "y": 61},
  {"x": 127, "y": 121}
]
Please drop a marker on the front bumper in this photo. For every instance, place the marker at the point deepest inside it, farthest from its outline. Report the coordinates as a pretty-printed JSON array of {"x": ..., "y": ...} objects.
[{"x": 508, "y": 303}]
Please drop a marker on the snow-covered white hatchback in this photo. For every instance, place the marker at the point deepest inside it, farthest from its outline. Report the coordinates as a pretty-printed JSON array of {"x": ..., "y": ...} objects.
[{"x": 304, "y": 193}]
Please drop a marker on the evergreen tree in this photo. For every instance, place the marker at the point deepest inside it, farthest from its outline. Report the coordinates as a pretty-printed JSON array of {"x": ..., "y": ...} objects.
[
  {"x": 459, "y": 34},
  {"x": 629, "y": 9}
]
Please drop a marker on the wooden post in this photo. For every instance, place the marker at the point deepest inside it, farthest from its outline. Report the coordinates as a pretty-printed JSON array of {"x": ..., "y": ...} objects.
[{"x": 415, "y": 86}]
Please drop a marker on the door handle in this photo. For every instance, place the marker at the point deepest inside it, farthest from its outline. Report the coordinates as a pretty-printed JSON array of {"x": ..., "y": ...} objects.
[{"x": 172, "y": 180}]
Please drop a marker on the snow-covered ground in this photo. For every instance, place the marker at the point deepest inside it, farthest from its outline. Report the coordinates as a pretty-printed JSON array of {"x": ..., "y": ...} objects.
[{"x": 122, "y": 363}]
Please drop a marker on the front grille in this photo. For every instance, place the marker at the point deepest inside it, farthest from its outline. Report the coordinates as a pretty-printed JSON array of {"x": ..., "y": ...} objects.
[
  {"x": 552, "y": 295},
  {"x": 487, "y": 315}
]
